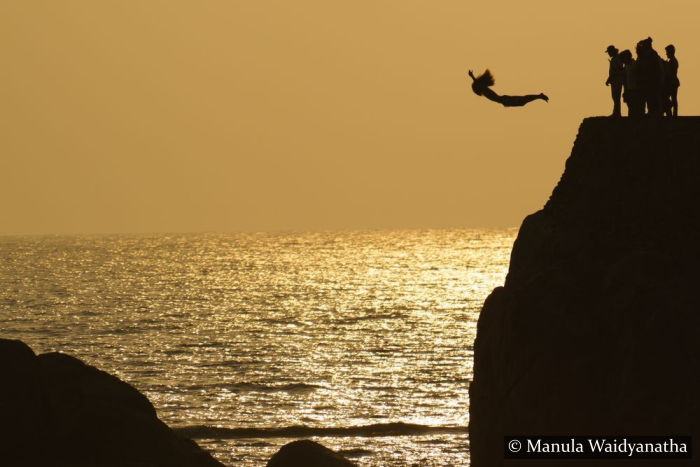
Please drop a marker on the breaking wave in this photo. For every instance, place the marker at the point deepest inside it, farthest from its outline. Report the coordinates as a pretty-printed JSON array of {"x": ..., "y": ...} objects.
[{"x": 299, "y": 431}]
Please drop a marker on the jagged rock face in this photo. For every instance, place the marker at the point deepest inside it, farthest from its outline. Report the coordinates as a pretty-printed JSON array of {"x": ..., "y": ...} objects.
[
  {"x": 307, "y": 453},
  {"x": 56, "y": 410},
  {"x": 596, "y": 330}
]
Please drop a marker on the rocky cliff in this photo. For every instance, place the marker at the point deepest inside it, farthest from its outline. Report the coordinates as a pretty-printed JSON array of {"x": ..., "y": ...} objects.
[{"x": 596, "y": 330}]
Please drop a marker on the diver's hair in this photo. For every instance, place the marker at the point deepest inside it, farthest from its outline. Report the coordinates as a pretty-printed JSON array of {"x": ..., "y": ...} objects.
[{"x": 482, "y": 82}]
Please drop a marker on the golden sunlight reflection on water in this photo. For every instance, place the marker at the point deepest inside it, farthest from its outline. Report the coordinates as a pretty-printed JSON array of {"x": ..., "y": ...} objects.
[{"x": 332, "y": 329}]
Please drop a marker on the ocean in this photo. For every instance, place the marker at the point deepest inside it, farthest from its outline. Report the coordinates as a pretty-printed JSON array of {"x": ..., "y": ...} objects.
[{"x": 360, "y": 340}]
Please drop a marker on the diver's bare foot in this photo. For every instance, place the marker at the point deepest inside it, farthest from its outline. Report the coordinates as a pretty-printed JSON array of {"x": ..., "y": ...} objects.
[{"x": 544, "y": 97}]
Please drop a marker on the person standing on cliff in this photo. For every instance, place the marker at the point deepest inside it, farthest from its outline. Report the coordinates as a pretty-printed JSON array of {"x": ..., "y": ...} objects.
[
  {"x": 650, "y": 69},
  {"x": 671, "y": 81},
  {"x": 616, "y": 77},
  {"x": 632, "y": 94}
]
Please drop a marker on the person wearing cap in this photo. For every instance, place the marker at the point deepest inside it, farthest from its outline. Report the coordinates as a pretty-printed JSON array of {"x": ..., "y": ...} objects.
[{"x": 616, "y": 76}]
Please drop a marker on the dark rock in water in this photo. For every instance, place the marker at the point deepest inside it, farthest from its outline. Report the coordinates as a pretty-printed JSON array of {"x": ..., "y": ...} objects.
[
  {"x": 597, "y": 329},
  {"x": 21, "y": 421},
  {"x": 56, "y": 410},
  {"x": 307, "y": 453}
]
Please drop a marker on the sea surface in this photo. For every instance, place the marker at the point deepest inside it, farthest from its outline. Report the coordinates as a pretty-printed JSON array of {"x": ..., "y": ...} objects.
[{"x": 360, "y": 340}]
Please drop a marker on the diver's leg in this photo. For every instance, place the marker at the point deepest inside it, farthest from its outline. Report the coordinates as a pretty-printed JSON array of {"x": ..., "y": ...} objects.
[{"x": 519, "y": 101}]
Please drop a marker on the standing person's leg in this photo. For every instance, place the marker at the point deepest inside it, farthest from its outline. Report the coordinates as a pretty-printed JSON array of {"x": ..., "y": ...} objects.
[
  {"x": 616, "y": 90},
  {"x": 674, "y": 102},
  {"x": 638, "y": 104},
  {"x": 633, "y": 101},
  {"x": 655, "y": 103},
  {"x": 650, "y": 99},
  {"x": 665, "y": 104}
]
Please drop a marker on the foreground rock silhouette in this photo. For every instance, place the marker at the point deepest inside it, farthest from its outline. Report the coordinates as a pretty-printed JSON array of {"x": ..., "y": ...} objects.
[
  {"x": 56, "y": 410},
  {"x": 596, "y": 330},
  {"x": 307, "y": 453}
]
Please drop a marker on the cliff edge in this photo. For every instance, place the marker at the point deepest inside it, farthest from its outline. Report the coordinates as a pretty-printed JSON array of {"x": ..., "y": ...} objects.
[{"x": 596, "y": 330}]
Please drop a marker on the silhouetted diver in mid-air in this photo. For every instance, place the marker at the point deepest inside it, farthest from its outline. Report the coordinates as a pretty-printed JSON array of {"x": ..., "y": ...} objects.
[{"x": 482, "y": 87}]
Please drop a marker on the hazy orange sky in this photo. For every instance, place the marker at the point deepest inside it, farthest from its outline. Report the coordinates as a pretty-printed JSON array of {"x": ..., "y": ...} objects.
[{"x": 181, "y": 116}]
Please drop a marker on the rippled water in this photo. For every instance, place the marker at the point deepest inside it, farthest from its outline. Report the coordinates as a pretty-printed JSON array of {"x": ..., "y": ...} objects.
[{"x": 325, "y": 330}]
